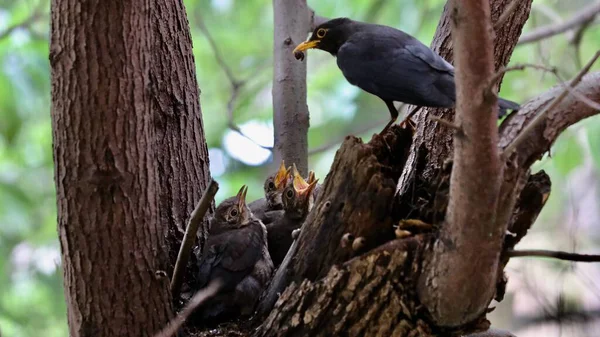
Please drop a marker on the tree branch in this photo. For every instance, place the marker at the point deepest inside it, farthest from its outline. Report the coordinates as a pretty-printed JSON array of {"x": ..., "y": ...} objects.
[
  {"x": 200, "y": 297},
  {"x": 236, "y": 84},
  {"x": 36, "y": 14},
  {"x": 459, "y": 280},
  {"x": 290, "y": 111},
  {"x": 190, "y": 235},
  {"x": 553, "y": 255},
  {"x": 581, "y": 17},
  {"x": 541, "y": 117}
]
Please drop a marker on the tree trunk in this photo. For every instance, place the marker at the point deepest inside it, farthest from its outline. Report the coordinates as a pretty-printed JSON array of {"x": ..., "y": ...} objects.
[
  {"x": 290, "y": 112},
  {"x": 130, "y": 157},
  {"x": 433, "y": 140}
]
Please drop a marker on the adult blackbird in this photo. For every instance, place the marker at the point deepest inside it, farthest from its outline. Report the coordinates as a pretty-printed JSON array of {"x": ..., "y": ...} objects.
[
  {"x": 297, "y": 202},
  {"x": 236, "y": 253},
  {"x": 389, "y": 64},
  {"x": 269, "y": 208}
]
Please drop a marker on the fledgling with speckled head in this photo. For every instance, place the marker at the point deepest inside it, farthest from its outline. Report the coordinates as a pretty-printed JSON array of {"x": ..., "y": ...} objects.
[
  {"x": 297, "y": 201},
  {"x": 236, "y": 253},
  {"x": 390, "y": 64},
  {"x": 270, "y": 208}
]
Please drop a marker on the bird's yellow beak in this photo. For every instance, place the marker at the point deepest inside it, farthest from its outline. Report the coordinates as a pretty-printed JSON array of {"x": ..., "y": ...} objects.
[
  {"x": 306, "y": 45},
  {"x": 241, "y": 197},
  {"x": 281, "y": 176},
  {"x": 301, "y": 186}
]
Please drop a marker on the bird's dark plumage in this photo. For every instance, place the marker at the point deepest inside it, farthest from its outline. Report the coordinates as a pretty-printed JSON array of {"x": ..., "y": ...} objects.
[
  {"x": 390, "y": 64},
  {"x": 297, "y": 201},
  {"x": 236, "y": 253}
]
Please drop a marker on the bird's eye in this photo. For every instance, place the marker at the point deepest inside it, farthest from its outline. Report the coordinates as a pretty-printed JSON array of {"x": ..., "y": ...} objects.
[
  {"x": 271, "y": 185},
  {"x": 321, "y": 33},
  {"x": 233, "y": 212},
  {"x": 289, "y": 194}
]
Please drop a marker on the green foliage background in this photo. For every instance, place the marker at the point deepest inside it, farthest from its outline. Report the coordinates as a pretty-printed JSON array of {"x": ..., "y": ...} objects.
[{"x": 31, "y": 293}]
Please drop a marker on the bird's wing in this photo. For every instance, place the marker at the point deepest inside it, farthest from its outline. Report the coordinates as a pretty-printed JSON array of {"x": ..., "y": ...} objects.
[
  {"x": 397, "y": 67},
  {"x": 230, "y": 255}
]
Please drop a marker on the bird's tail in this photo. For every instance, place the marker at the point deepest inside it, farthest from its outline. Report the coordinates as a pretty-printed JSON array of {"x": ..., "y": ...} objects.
[{"x": 505, "y": 105}]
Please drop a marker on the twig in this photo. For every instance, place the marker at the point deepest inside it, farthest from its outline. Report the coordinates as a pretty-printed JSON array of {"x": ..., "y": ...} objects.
[
  {"x": 236, "y": 85},
  {"x": 507, "y": 12},
  {"x": 190, "y": 235},
  {"x": 553, "y": 255},
  {"x": 200, "y": 297},
  {"x": 573, "y": 91},
  {"x": 579, "y": 18},
  {"x": 26, "y": 24},
  {"x": 446, "y": 123},
  {"x": 523, "y": 66},
  {"x": 552, "y": 70},
  {"x": 576, "y": 39},
  {"x": 540, "y": 117}
]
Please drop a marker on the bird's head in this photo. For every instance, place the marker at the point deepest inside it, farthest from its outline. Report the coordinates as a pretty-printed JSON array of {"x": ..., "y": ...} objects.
[
  {"x": 232, "y": 212},
  {"x": 298, "y": 198},
  {"x": 329, "y": 36},
  {"x": 275, "y": 184}
]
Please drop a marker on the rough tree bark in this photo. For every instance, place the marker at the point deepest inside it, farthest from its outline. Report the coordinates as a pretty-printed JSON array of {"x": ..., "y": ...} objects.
[
  {"x": 290, "y": 113},
  {"x": 130, "y": 157},
  {"x": 433, "y": 141}
]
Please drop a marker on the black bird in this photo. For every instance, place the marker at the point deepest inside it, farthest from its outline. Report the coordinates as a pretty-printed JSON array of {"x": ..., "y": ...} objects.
[
  {"x": 297, "y": 202},
  {"x": 236, "y": 253},
  {"x": 269, "y": 208},
  {"x": 389, "y": 64}
]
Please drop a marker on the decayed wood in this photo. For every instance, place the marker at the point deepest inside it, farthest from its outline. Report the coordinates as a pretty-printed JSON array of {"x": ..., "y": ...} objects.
[
  {"x": 356, "y": 198},
  {"x": 370, "y": 295}
]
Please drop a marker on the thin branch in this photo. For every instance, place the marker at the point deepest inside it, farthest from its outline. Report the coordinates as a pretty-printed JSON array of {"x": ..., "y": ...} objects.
[
  {"x": 236, "y": 84},
  {"x": 200, "y": 297},
  {"x": 552, "y": 70},
  {"x": 28, "y": 22},
  {"x": 190, "y": 234},
  {"x": 507, "y": 12},
  {"x": 581, "y": 17},
  {"x": 553, "y": 255},
  {"x": 523, "y": 66},
  {"x": 446, "y": 123},
  {"x": 542, "y": 115}
]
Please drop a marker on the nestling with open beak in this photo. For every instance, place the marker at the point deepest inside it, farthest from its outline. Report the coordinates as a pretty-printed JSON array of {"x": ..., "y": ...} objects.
[
  {"x": 236, "y": 253},
  {"x": 297, "y": 202},
  {"x": 269, "y": 208}
]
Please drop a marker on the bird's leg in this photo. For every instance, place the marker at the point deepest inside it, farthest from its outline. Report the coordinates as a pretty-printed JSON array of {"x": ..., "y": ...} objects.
[
  {"x": 393, "y": 113},
  {"x": 407, "y": 119}
]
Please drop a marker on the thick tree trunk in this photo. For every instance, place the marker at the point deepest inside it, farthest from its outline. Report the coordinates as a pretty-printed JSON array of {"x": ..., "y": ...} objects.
[
  {"x": 290, "y": 112},
  {"x": 433, "y": 140},
  {"x": 130, "y": 157}
]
